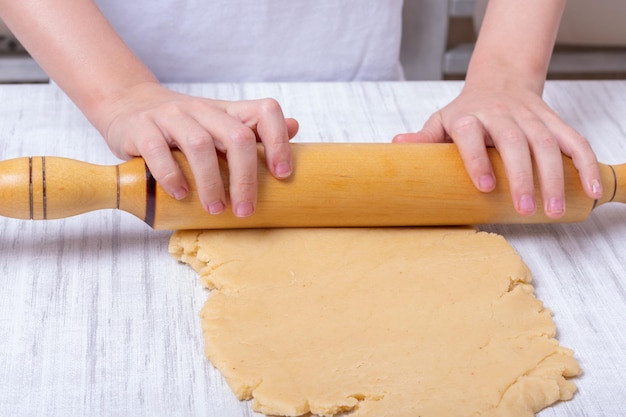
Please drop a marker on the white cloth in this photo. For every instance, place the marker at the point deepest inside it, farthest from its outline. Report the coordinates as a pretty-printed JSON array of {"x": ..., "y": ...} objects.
[{"x": 262, "y": 40}]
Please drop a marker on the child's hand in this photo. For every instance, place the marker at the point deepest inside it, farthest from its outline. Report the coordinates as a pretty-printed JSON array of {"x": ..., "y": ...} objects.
[
  {"x": 151, "y": 119},
  {"x": 519, "y": 124}
]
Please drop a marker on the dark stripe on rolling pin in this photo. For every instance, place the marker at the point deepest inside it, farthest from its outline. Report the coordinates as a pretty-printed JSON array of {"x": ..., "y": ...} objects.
[
  {"x": 614, "y": 182},
  {"x": 43, "y": 177},
  {"x": 150, "y": 198},
  {"x": 30, "y": 184},
  {"x": 117, "y": 175}
]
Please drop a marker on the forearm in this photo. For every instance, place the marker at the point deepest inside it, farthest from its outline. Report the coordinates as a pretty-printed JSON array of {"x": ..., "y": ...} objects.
[
  {"x": 80, "y": 51},
  {"x": 515, "y": 42}
]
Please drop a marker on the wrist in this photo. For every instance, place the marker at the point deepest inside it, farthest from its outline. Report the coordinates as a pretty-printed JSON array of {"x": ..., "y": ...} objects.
[
  {"x": 515, "y": 43},
  {"x": 103, "y": 106},
  {"x": 507, "y": 75}
]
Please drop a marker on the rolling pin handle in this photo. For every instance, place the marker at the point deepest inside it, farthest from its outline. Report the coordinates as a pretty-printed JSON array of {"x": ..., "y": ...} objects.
[{"x": 43, "y": 188}]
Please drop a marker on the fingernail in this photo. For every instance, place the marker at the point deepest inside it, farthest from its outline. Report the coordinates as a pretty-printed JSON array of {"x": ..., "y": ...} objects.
[
  {"x": 283, "y": 169},
  {"x": 180, "y": 194},
  {"x": 527, "y": 204},
  {"x": 244, "y": 209},
  {"x": 555, "y": 206},
  {"x": 596, "y": 188},
  {"x": 216, "y": 207},
  {"x": 486, "y": 183}
]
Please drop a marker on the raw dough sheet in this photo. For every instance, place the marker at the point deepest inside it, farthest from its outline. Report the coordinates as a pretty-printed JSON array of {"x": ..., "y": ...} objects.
[{"x": 376, "y": 322}]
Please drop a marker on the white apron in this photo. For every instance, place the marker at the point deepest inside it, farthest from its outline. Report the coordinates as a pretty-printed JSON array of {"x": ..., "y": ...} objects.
[{"x": 262, "y": 40}]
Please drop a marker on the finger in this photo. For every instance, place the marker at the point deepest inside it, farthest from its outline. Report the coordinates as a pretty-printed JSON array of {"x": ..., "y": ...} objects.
[
  {"x": 199, "y": 148},
  {"x": 242, "y": 164},
  {"x": 265, "y": 116},
  {"x": 216, "y": 131},
  {"x": 515, "y": 153},
  {"x": 470, "y": 137},
  {"x": 586, "y": 163},
  {"x": 578, "y": 148},
  {"x": 158, "y": 157},
  {"x": 292, "y": 127},
  {"x": 433, "y": 131},
  {"x": 549, "y": 166}
]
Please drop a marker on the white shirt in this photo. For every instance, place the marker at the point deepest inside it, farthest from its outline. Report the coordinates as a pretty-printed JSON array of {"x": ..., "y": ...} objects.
[{"x": 262, "y": 40}]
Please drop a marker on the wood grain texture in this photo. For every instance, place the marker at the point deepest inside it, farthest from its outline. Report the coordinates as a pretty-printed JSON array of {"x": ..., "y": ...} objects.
[{"x": 97, "y": 319}]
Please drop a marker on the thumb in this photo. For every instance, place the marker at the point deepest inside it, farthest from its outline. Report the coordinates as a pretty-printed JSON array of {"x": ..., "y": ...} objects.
[
  {"x": 432, "y": 132},
  {"x": 292, "y": 127}
]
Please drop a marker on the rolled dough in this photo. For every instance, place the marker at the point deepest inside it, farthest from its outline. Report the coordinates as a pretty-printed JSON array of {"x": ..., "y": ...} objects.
[{"x": 376, "y": 322}]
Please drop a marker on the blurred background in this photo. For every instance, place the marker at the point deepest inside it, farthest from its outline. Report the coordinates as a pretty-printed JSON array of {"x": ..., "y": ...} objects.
[{"x": 438, "y": 39}]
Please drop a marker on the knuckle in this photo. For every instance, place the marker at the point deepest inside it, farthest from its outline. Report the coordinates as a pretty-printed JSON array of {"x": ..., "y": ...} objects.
[
  {"x": 175, "y": 108},
  {"x": 245, "y": 184},
  {"x": 199, "y": 142},
  {"x": 589, "y": 166},
  {"x": 152, "y": 148},
  {"x": 168, "y": 177},
  {"x": 465, "y": 124},
  {"x": 241, "y": 136},
  {"x": 478, "y": 160},
  {"x": 211, "y": 186},
  {"x": 554, "y": 180},
  {"x": 247, "y": 181},
  {"x": 141, "y": 118},
  {"x": 582, "y": 146},
  {"x": 523, "y": 177},
  {"x": 545, "y": 142},
  {"x": 511, "y": 136},
  {"x": 165, "y": 174},
  {"x": 270, "y": 106}
]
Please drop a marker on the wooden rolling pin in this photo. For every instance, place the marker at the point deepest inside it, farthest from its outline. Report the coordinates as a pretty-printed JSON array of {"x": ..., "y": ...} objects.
[{"x": 333, "y": 185}]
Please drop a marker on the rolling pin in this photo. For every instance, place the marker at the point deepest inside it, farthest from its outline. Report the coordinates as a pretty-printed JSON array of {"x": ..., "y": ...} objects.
[{"x": 333, "y": 185}]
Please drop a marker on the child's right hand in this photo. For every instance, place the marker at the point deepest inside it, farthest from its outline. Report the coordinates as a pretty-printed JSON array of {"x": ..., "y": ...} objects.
[{"x": 150, "y": 119}]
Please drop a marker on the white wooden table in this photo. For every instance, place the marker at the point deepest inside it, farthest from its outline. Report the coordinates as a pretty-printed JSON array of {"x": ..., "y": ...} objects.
[{"x": 97, "y": 319}]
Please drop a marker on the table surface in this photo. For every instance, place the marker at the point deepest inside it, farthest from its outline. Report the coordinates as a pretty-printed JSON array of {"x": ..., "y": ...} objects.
[{"x": 97, "y": 319}]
